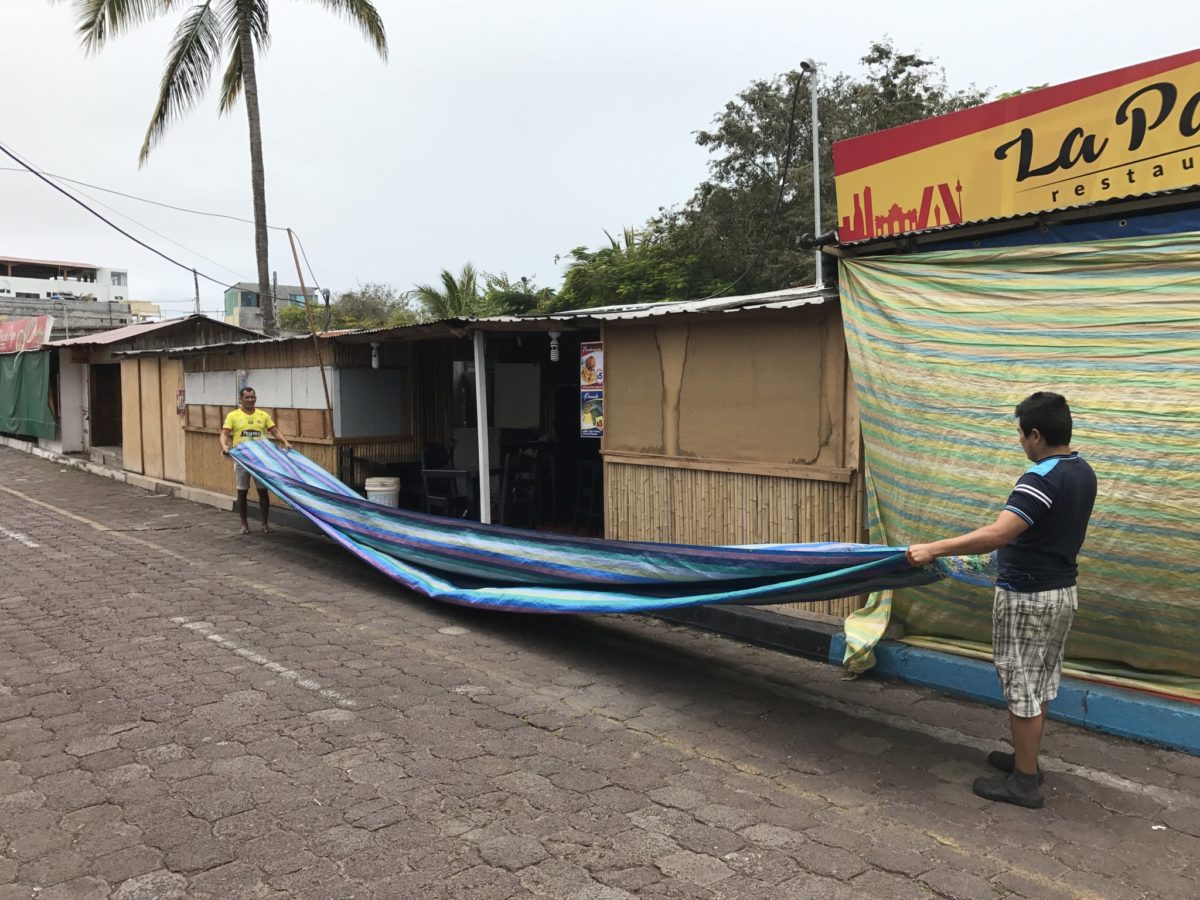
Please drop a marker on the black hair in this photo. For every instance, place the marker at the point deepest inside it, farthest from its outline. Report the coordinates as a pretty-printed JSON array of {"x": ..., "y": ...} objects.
[
  {"x": 243, "y": 390},
  {"x": 1049, "y": 414}
]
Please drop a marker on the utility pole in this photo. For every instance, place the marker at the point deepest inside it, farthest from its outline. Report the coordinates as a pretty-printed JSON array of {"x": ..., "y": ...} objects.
[
  {"x": 196, "y": 283},
  {"x": 810, "y": 66}
]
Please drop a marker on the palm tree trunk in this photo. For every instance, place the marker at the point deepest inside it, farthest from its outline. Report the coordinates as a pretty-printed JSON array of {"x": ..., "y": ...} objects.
[{"x": 257, "y": 174}]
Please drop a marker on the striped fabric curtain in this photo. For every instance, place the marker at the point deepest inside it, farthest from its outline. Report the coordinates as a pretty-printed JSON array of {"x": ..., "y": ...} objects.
[{"x": 944, "y": 345}]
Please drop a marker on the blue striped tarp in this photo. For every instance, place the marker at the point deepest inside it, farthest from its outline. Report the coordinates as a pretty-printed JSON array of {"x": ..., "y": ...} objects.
[{"x": 494, "y": 567}]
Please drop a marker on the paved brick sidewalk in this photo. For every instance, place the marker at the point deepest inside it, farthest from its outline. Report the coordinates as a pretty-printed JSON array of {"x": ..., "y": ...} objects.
[{"x": 185, "y": 712}]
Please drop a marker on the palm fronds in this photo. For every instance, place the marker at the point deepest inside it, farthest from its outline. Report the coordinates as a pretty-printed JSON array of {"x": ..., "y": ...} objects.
[{"x": 194, "y": 51}]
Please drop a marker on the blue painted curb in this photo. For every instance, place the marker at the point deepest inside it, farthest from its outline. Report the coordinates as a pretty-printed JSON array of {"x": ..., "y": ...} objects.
[{"x": 1129, "y": 714}]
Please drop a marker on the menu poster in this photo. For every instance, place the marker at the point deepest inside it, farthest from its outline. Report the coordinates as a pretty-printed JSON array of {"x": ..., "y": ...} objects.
[
  {"x": 591, "y": 414},
  {"x": 591, "y": 365}
]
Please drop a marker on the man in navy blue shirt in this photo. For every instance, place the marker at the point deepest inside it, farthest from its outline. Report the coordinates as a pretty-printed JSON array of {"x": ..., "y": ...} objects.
[{"x": 1038, "y": 535}]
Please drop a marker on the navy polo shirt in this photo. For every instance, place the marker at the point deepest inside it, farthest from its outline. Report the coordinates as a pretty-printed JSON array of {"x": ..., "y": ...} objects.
[{"x": 1055, "y": 496}]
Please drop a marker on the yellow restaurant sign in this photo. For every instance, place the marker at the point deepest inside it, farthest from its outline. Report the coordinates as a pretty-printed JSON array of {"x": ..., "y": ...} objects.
[{"x": 1125, "y": 133}]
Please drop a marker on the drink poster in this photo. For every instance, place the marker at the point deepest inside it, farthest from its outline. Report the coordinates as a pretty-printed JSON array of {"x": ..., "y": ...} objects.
[
  {"x": 591, "y": 366},
  {"x": 591, "y": 414},
  {"x": 591, "y": 389}
]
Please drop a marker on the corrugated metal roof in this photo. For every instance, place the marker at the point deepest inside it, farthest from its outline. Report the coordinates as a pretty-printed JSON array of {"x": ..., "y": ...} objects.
[
  {"x": 116, "y": 335},
  {"x": 788, "y": 298}
]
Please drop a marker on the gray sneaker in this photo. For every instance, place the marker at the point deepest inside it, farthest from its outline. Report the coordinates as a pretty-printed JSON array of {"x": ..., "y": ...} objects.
[{"x": 1007, "y": 762}]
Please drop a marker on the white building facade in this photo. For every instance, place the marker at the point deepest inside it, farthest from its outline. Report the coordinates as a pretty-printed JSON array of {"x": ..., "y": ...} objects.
[{"x": 49, "y": 280}]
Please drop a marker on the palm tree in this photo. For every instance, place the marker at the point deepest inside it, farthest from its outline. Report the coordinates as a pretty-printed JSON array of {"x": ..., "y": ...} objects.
[
  {"x": 458, "y": 297},
  {"x": 208, "y": 31}
]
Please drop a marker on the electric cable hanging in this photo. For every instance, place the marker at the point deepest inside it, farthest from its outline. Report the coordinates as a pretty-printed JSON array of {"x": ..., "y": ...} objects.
[
  {"x": 184, "y": 209},
  {"x": 217, "y": 281}
]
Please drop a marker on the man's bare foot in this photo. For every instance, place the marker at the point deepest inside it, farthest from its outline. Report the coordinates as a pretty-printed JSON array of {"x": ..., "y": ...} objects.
[
  {"x": 266, "y": 528},
  {"x": 245, "y": 529}
]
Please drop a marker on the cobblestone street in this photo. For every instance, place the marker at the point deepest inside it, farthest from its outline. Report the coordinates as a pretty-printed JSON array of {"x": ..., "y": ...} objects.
[{"x": 187, "y": 712}]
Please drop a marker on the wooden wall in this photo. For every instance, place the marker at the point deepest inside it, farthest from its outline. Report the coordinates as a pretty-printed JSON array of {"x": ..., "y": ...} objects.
[
  {"x": 741, "y": 431},
  {"x": 296, "y": 424},
  {"x": 276, "y": 355},
  {"x": 210, "y": 470},
  {"x": 152, "y": 430}
]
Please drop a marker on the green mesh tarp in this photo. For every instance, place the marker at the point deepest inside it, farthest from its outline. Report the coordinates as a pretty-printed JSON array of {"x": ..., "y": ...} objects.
[
  {"x": 25, "y": 394},
  {"x": 943, "y": 345}
]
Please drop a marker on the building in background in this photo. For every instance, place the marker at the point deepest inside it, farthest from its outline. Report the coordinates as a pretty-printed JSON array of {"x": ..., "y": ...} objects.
[
  {"x": 242, "y": 307},
  {"x": 82, "y": 298}
]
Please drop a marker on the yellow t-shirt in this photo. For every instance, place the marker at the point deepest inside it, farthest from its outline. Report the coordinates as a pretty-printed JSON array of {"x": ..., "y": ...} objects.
[{"x": 248, "y": 426}]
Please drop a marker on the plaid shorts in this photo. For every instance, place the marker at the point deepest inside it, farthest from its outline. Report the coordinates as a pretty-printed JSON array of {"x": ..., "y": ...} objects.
[{"x": 1029, "y": 634}]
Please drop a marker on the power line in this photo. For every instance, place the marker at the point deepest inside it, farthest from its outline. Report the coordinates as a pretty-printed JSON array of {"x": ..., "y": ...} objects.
[
  {"x": 183, "y": 209},
  {"x": 15, "y": 158},
  {"x": 96, "y": 187},
  {"x": 118, "y": 212}
]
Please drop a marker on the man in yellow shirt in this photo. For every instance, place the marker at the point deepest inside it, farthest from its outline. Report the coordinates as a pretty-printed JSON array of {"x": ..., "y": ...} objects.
[{"x": 246, "y": 423}]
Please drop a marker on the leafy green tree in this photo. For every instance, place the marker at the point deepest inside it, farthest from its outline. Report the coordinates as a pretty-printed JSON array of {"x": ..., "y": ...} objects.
[
  {"x": 739, "y": 232},
  {"x": 372, "y": 305},
  {"x": 646, "y": 267},
  {"x": 505, "y": 297},
  {"x": 459, "y": 297},
  {"x": 211, "y": 31}
]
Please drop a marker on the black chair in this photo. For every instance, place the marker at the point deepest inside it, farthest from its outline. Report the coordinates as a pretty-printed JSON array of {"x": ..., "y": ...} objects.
[
  {"x": 521, "y": 487},
  {"x": 589, "y": 496},
  {"x": 447, "y": 492},
  {"x": 435, "y": 456}
]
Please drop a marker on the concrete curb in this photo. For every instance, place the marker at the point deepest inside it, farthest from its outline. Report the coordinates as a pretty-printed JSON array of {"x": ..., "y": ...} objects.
[
  {"x": 1126, "y": 713},
  {"x": 153, "y": 485},
  {"x": 1099, "y": 707}
]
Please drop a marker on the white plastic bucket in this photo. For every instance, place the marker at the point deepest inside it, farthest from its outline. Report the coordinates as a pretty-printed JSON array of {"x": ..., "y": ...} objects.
[{"x": 385, "y": 491}]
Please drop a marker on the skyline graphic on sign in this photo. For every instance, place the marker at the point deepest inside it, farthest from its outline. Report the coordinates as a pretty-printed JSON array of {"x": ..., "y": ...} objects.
[{"x": 940, "y": 205}]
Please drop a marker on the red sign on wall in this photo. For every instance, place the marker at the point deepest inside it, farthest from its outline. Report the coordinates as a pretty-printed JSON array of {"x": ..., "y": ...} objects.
[{"x": 25, "y": 334}]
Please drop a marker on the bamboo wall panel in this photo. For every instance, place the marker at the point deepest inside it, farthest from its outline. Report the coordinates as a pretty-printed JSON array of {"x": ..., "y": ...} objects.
[
  {"x": 152, "y": 425},
  {"x": 433, "y": 374},
  {"x": 171, "y": 378},
  {"x": 687, "y": 506},
  {"x": 131, "y": 417},
  {"x": 365, "y": 459},
  {"x": 210, "y": 470}
]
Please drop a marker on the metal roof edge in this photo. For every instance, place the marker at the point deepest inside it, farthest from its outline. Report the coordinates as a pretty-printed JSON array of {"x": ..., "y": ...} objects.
[{"x": 137, "y": 329}]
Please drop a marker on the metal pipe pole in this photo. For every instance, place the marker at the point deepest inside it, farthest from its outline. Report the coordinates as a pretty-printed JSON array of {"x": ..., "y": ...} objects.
[
  {"x": 485, "y": 464},
  {"x": 311, "y": 329},
  {"x": 816, "y": 166}
]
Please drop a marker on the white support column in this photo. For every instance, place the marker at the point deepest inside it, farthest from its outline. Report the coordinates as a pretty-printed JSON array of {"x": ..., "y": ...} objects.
[
  {"x": 481, "y": 418},
  {"x": 813, "y": 84}
]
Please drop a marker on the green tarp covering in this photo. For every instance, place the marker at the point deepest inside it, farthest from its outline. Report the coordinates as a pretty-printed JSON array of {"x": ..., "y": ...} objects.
[
  {"x": 25, "y": 394},
  {"x": 944, "y": 344}
]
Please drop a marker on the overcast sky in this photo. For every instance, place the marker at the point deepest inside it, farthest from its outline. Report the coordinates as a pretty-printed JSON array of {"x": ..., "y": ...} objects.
[{"x": 502, "y": 132}]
